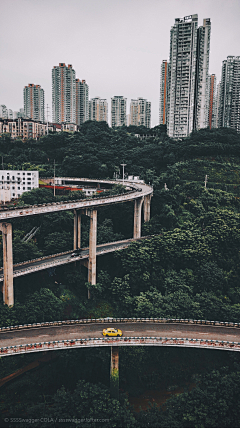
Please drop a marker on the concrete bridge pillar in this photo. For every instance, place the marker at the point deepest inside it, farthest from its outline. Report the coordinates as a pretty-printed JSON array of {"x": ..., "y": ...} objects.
[
  {"x": 114, "y": 372},
  {"x": 77, "y": 230},
  {"x": 92, "y": 259},
  {"x": 8, "y": 293},
  {"x": 147, "y": 207},
  {"x": 137, "y": 218},
  {"x": 92, "y": 264}
]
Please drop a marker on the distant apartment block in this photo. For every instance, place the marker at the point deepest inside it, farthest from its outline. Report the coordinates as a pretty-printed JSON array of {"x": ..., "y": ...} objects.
[
  {"x": 212, "y": 111},
  {"x": 69, "y": 127},
  {"x": 201, "y": 96},
  {"x": 229, "y": 96},
  {"x": 163, "y": 93},
  {"x": 6, "y": 113},
  {"x": 98, "y": 109},
  {"x": 140, "y": 112},
  {"x": 3, "y": 111},
  {"x": 63, "y": 94},
  {"x": 188, "y": 91},
  {"x": 23, "y": 128},
  {"x": 14, "y": 183},
  {"x": 82, "y": 102},
  {"x": 33, "y": 98},
  {"x": 118, "y": 111}
]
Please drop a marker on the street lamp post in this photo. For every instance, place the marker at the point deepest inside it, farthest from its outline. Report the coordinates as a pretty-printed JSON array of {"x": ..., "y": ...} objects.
[{"x": 123, "y": 165}]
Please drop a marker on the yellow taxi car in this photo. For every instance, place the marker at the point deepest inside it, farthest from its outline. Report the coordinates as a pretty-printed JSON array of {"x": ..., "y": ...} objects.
[{"x": 112, "y": 332}]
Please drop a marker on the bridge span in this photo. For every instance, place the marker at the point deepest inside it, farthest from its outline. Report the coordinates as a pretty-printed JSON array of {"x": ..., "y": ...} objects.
[
  {"x": 145, "y": 331},
  {"x": 87, "y": 333},
  {"x": 59, "y": 259},
  {"x": 140, "y": 193}
]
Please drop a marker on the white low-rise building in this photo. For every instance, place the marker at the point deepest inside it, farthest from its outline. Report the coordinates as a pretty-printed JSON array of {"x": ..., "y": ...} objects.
[{"x": 14, "y": 183}]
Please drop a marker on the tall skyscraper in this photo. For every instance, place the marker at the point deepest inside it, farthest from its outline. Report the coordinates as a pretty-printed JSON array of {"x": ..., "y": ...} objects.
[
  {"x": 33, "y": 98},
  {"x": 188, "y": 76},
  {"x": 98, "y": 109},
  {"x": 229, "y": 99},
  {"x": 3, "y": 111},
  {"x": 63, "y": 94},
  {"x": 118, "y": 111},
  {"x": 212, "y": 111},
  {"x": 201, "y": 95},
  {"x": 163, "y": 93},
  {"x": 82, "y": 102},
  {"x": 140, "y": 112}
]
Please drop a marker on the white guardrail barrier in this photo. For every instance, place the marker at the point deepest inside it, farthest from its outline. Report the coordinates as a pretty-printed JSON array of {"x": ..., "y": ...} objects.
[
  {"x": 119, "y": 341},
  {"x": 115, "y": 320}
]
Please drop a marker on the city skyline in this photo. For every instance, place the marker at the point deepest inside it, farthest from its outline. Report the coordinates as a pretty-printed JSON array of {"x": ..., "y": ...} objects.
[{"x": 117, "y": 53}]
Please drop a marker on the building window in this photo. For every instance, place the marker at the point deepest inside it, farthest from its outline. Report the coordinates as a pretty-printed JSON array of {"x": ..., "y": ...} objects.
[
  {"x": 29, "y": 188},
  {"x": 23, "y": 188}
]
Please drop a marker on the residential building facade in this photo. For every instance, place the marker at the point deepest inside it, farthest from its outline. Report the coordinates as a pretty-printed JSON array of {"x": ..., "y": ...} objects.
[
  {"x": 23, "y": 128},
  {"x": 201, "y": 96},
  {"x": 163, "y": 93},
  {"x": 98, "y": 109},
  {"x": 33, "y": 99},
  {"x": 63, "y": 94},
  {"x": 3, "y": 111},
  {"x": 14, "y": 183},
  {"x": 188, "y": 92},
  {"x": 212, "y": 111},
  {"x": 229, "y": 97},
  {"x": 118, "y": 111},
  {"x": 82, "y": 102},
  {"x": 140, "y": 112}
]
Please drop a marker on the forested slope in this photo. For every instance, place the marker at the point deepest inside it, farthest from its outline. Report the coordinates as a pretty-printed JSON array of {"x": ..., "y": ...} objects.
[{"x": 188, "y": 269}]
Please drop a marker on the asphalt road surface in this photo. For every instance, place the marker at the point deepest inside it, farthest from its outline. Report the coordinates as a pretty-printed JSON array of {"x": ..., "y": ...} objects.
[{"x": 136, "y": 329}]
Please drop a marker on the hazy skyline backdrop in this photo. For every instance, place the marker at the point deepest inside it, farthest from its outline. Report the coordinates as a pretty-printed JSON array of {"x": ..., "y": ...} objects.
[{"x": 117, "y": 46}]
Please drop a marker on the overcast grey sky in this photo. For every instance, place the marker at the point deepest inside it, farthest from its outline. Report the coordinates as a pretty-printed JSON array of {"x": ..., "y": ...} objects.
[{"x": 117, "y": 46}]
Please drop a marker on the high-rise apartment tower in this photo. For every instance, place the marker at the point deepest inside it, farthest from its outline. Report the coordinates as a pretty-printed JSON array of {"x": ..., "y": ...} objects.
[
  {"x": 82, "y": 102},
  {"x": 140, "y": 112},
  {"x": 98, "y": 109},
  {"x": 201, "y": 96},
  {"x": 118, "y": 111},
  {"x": 63, "y": 94},
  {"x": 212, "y": 111},
  {"x": 33, "y": 98},
  {"x": 229, "y": 99},
  {"x": 163, "y": 93},
  {"x": 188, "y": 76}
]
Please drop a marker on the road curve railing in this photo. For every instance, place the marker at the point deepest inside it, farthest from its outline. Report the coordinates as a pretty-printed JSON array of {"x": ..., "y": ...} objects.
[
  {"x": 138, "y": 190},
  {"x": 152, "y": 340},
  {"x": 54, "y": 260}
]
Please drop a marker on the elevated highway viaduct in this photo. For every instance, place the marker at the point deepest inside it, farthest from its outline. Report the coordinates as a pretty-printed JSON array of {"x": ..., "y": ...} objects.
[
  {"x": 61, "y": 335},
  {"x": 54, "y": 260},
  {"x": 140, "y": 193}
]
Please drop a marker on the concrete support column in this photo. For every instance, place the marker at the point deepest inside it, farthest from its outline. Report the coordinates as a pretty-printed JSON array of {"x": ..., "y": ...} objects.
[
  {"x": 114, "y": 373},
  {"x": 8, "y": 294},
  {"x": 92, "y": 264},
  {"x": 77, "y": 230},
  {"x": 147, "y": 207},
  {"x": 137, "y": 218}
]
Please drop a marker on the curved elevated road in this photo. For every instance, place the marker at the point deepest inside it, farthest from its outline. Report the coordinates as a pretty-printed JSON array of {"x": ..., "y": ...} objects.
[
  {"x": 47, "y": 262},
  {"x": 139, "y": 190},
  {"x": 88, "y": 333}
]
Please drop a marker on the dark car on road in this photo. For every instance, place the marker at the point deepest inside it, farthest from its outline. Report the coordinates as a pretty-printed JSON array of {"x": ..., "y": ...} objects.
[{"x": 76, "y": 252}]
